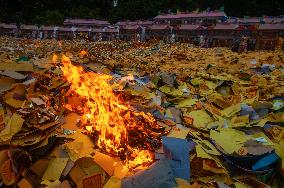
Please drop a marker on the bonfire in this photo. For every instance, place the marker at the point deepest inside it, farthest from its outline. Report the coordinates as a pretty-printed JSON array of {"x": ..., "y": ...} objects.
[{"x": 116, "y": 127}]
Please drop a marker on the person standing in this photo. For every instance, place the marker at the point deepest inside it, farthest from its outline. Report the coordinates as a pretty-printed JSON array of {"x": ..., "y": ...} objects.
[
  {"x": 100, "y": 37},
  {"x": 40, "y": 35},
  {"x": 138, "y": 38},
  {"x": 172, "y": 40},
  {"x": 201, "y": 41}
]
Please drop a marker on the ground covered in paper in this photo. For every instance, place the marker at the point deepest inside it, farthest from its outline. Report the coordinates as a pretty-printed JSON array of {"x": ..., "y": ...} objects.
[{"x": 221, "y": 114}]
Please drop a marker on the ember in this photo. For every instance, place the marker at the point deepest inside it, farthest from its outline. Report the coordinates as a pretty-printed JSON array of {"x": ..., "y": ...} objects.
[{"x": 117, "y": 128}]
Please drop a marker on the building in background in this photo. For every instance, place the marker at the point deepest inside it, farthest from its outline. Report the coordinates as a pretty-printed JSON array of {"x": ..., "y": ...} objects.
[
  {"x": 159, "y": 31},
  {"x": 189, "y": 33},
  {"x": 46, "y": 32},
  {"x": 64, "y": 33},
  {"x": 28, "y": 31},
  {"x": 223, "y": 35},
  {"x": 203, "y": 18},
  {"x": 130, "y": 32},
  {"x": 87, "y": 23},
  {"x": 205, "y": 29},
  {"x": 268, "y": 35},
  {"x": 8, "y": 29}
]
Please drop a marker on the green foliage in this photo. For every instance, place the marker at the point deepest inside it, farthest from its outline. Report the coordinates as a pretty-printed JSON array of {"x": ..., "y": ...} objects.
[
  {"x": 54, "y": 11},
  {"x": 50, "y": 17},
  {"x": 84, "y": 12}
]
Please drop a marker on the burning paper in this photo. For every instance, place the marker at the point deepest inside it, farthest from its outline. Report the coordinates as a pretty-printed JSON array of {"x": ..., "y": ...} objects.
[{"x": 116, "y": 127}]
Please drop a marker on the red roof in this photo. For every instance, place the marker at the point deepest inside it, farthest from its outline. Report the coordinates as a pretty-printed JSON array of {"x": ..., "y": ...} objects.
[
  {"x": 138, "y": 22},
  {"x": 226, "y": 26},
  {"x": 189, "y": 27},
  {"x": 131, "y": 27},
  {"x": 85, "y": 22},
  {"x": 271, "y": 27},
  {"x": 8, "y": 26},
  {"x": 146, "y": 23},
  {"x": 123, "y": 23},
  {"x": 191, "y": 15},
  {"x": 64, "y": 29},
  {"x": 28, "y": 27},
  {"x": 212, "y": 14},
  {"x": 159, "y": 27},
  {"x": 46, "y": 28},
  {"x": 273, "y": 19},
  {"x": 249, "y": 20},
  {"x": 266, "y": 19},
  {"x": 111, "y": 30},
  {"x": 83, "y": 29}
]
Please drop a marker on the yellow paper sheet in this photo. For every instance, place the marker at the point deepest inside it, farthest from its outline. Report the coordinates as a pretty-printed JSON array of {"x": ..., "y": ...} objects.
[
  {"x": 40, "y": 166},
  {"x": 189, "y": 102},
  {"x": 179, "y": 132},
  {"x": 15, "y": 103},
  {"x": 77, "y": 175},
  {"x": 70, "y": 121},
  {"x": 55, "y": 168},
  {"x": 106, "y": 162},
  {"x": 196, "y": 81},
  {"x": 232, "y": 110},
  {"x": 211, "y": 85},
  {"x": 171, "y": 91},
  {"x": 202, "y": 154},
  {"x": 200, "y": 118},
  {"x": 240, "y": 185},
  {"x": 20, "y": 66},
  {"x": 120, "y": 171},
  {"x": 113, "y": 182},
  {"x": 82, "y": 146},
  {"x": 209, "y": 148},
  {"x": 230, "y": 140},
  {"x": 240, "y": 121},
  {"x": 14, "y": 125}
]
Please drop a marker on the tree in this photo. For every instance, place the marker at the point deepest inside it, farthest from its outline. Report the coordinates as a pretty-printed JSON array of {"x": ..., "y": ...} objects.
[
  {"x": 50, "y": 17},
  {"x": 84, "y": 12},
  {"x": 39, "y": 11}
]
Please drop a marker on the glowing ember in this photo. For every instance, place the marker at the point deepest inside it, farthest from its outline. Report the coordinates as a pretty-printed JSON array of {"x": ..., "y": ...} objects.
[
  {"x": 117, "y": 127},
  {"x": 83, "y": 53}
]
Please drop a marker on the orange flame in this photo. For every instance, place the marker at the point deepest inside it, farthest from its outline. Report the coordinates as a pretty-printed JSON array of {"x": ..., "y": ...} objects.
[
  {"x": 106, "y": 114},
  {"x": 83, "y": 53},
  {"x": 54, "y": 59}
]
